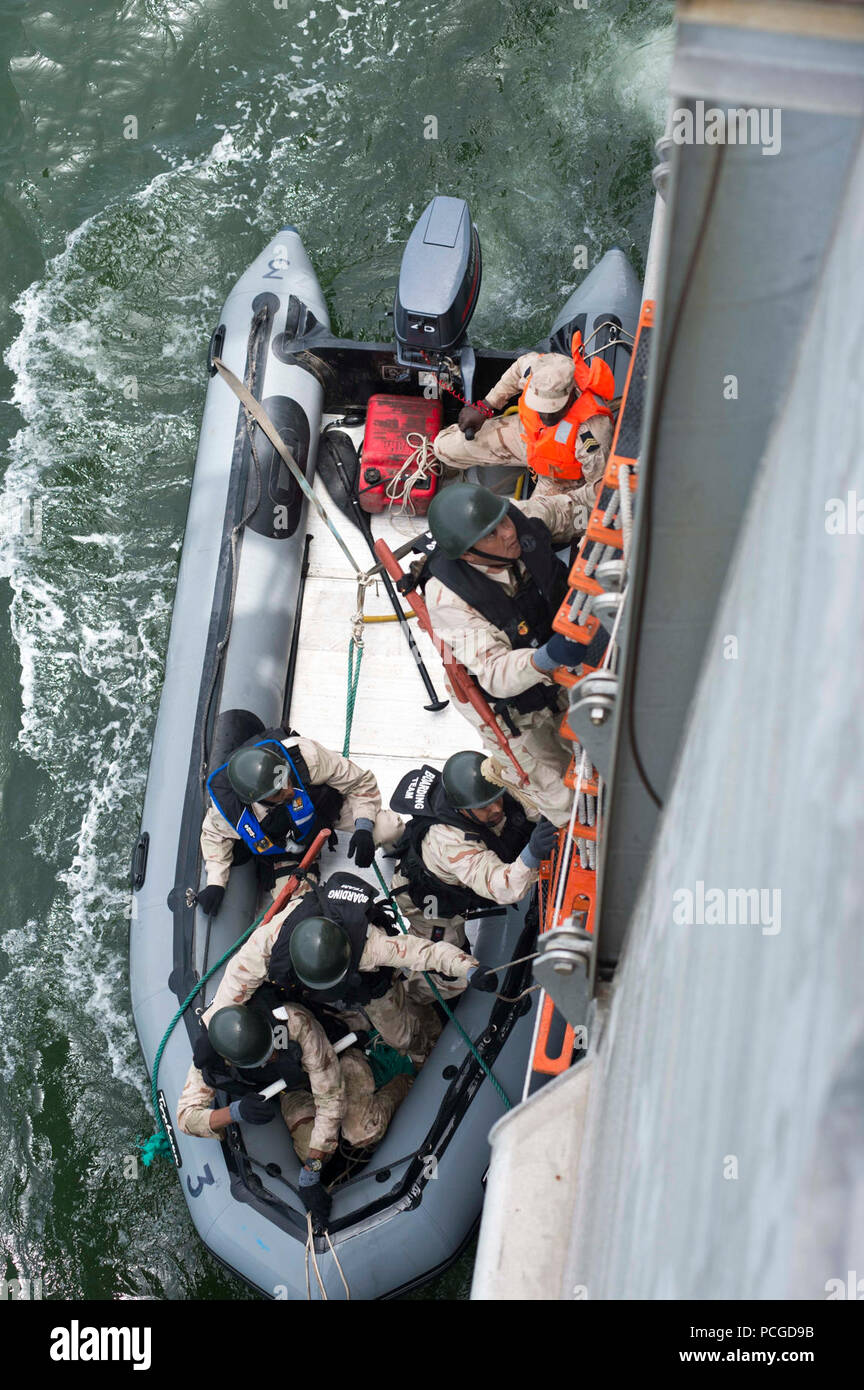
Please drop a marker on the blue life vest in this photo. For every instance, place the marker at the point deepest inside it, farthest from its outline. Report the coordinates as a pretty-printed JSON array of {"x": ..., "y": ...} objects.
[{"x": 301, "y": 810}]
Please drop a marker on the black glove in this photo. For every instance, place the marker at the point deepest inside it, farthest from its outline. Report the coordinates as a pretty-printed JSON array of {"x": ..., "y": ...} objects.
[
  {"x": 484, "y": 980},
  {"x": 544, "y": 838},
  {"x": 278, "y": 823},
  {"x": 333, "y": 842},
  {"x": 317, "y": 1200},
  {"x": 362, "y": 848},
  {"x": 257, "y": 1111},
  {"x": 210, "y": 899},
  {"x": 559, "y": 651},
  {"x": 382, "y": 915}
]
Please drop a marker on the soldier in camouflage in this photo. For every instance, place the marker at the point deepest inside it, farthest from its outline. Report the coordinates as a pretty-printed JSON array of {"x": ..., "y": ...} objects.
[
  {"x": 324, "y": 1094},
  {"x": 467, "y": 846},
  {"x": 270, "y": 799},
  {"x": 339, "y": 950},
  {"x": 503, "y": 439},
  {"x": 493, "y": 587}
]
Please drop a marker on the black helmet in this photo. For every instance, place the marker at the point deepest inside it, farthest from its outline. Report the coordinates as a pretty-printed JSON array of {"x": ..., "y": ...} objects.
[
  {"x": 465, "y": 787},
  {"x": 240, "y": 1035},
  {"x": 320, "y": 952},
  {"x": 462, "y": 514},
  {"x": 257, "y": 772}
]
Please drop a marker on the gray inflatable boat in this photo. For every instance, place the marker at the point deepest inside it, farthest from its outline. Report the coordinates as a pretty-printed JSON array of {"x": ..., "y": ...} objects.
[{"x": 261, "y": 624}]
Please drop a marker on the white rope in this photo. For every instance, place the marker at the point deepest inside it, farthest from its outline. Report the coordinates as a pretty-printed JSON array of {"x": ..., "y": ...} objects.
[
  {"x": 568, "y": 844},
  {"x": 607, "y": 655},
  {"x": 420, "y": 464},
  {"x": 363, "y": 582},
  {"x": 520, "y": 960},
  {"x": 585, "y": 849},
  {"x": 626, "y": 509},
  {"x": 310, "y": 1250},
  {"x": 339, "y": 1267},
  {"x": 622, "y": 332}
]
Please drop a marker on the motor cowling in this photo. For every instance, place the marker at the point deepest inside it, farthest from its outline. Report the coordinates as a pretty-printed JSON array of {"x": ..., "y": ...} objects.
[{"x": 439, "y": 281}]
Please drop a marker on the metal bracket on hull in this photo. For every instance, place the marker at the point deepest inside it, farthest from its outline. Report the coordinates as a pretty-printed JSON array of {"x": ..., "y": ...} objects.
[
  {"x": 563, "y": 969},
  {"x": 590, "y": 716}
]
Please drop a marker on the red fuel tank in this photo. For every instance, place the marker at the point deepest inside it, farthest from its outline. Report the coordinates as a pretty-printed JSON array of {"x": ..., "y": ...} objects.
[{"x": 386, "y": 447}]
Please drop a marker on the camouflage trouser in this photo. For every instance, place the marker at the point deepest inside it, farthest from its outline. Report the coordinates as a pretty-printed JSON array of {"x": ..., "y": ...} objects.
[
  {"x": 367, "y": 1112},
  {"x": 543, "y": 754},
  {"x": 451, "y": 929},
  {"x": 407, "y": 1025},
  {"x": 417, "y": 987},
  {"x": 496, "y": 441}
]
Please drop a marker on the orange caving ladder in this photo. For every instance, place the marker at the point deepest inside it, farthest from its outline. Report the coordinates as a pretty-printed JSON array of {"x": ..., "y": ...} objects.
[{"x": 568, "y": 881}]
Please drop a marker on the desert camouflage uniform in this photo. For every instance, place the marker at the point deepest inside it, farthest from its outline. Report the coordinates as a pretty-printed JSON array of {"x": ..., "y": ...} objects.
[
  {"x": 408, "y": 1026},
  {"x": 451, "y": 856},
  {"x": 367, "y": 1112},
  {"x": 357, "y": 785},
  {"x": 325, "y": 1102},
  {"x": 504, "y": 671},
  {"x": 500, "y": 440}
]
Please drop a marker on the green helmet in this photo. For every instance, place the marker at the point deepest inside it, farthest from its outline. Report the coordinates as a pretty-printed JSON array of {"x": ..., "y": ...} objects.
[
  {"x": 257, "y": 772},
  {"x": 465, "y": 787},
  {"x": 462, "y": 514},
  {"x": 240, "y": 1035},
  {"x": 320, "y": 952}
]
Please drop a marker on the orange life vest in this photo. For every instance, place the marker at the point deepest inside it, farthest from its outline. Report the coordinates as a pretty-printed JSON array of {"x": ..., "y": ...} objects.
[{"x": 552, "y": 448}]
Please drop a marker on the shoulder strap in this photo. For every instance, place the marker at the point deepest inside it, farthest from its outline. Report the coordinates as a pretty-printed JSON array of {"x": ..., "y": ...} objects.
[{"x": 473, "y": 587}]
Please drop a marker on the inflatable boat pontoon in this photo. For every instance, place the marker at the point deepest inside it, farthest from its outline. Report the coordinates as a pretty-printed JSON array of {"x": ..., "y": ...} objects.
[{"x": 261, "y": 624}]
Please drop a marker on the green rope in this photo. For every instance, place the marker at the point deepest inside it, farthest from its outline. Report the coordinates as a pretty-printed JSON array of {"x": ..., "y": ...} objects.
[
  {"x": 505, "y": 1099},
  {"x": 385, "y": 1062},
  {"x": 353, "y": 682},
  {"x": 158, "y": 1145}
]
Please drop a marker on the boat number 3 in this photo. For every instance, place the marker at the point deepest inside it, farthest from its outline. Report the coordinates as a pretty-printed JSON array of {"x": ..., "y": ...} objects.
[
  {"x": 277, "y": 263},
  {"x": 200, "y": 1183}
]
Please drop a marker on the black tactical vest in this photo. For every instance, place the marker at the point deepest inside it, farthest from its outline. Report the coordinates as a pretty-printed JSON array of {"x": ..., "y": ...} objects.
[
  {"x": 420, "y": 795},
  {"x": 525, "y": 617},
  {"x": 350, "y": 901}
]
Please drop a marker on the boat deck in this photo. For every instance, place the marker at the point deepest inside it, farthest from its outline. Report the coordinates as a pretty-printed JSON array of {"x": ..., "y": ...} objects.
[{"x": 392, "y": 731}]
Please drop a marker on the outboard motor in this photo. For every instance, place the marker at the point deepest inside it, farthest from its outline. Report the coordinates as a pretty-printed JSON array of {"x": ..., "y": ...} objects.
[{"x": 439, "y": 283}]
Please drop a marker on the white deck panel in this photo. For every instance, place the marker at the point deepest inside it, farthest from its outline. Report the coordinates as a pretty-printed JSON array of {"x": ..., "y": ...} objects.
[{"x": 392, "y": 731}]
